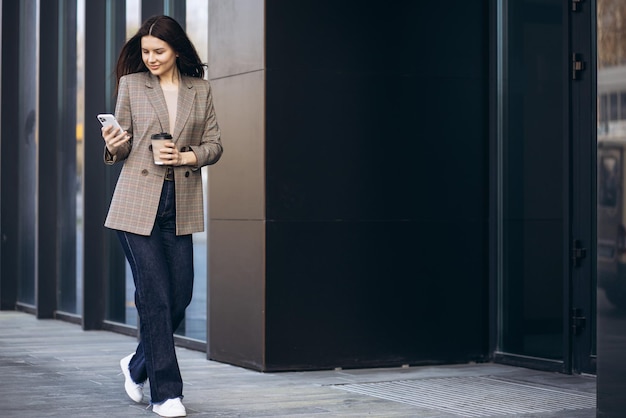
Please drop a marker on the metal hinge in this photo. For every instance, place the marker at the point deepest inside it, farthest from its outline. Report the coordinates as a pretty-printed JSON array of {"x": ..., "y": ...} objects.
[
  {"x": 577, "y": 65},
  {"x": 575, "y": 4},
  {"x": 578, "y": 321},
  {"x": 578, "y": 252}
]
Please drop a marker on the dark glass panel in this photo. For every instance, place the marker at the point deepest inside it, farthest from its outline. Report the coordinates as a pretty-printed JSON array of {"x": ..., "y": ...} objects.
[{"x": 531, "y": 181}]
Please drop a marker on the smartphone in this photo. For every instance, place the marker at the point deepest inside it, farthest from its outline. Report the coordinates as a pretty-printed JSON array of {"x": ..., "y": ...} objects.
[{"x": 107, "y": 119}]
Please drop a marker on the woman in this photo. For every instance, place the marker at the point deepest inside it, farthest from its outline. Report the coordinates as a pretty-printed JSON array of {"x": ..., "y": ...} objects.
[{"x": 156, "y": 208}]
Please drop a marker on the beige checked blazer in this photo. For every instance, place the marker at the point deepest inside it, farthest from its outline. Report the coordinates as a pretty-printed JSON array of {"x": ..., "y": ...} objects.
[{"x": 141, "y": 110}]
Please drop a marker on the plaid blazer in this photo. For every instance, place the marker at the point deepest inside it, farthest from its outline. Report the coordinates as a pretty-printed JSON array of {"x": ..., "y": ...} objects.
[{"x": 141, "y": 110}]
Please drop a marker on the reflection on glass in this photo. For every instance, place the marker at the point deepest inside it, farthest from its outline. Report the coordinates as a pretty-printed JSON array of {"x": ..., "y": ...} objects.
[
  {"x": 80, "y": 136},
  {"x": 133, "y": 17},
  {"x": 611, "y": 216},
  {"x": 611, "y": 221},
  {"x": 27, "y": 152},
  {"x": 69, "y": 144},
  {"x": 80, "y": 123}
]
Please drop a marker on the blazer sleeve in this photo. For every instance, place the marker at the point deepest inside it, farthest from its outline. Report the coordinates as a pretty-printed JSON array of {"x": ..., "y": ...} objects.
[
  {"x": 210, "y": 149},
  {"x": 124, "y": 117}
]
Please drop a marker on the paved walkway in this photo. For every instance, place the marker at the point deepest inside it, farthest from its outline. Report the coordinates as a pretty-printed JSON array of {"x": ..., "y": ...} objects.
[{"x": 51, "y": 368}]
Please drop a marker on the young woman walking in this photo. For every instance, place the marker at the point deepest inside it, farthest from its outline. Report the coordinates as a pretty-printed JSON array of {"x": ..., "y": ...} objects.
[{"x": 157, "y": 206}]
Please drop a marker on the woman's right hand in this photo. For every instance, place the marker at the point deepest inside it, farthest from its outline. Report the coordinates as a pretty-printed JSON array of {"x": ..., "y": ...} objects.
[{"x": 113, "y": 138}]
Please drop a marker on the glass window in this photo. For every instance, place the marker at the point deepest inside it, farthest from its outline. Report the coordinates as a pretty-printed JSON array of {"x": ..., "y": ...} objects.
[
  {"x": 27, "y": 151},
  {"x": 195, "y": 324},
  {"x": 120, "y": 306},
  {"x": 69, "y": 294},
  {"x": 133, "y": 17},
  {"x": 611, "y": 216},
  {"x": 80, "y": 123},
  {"x": 133, "y": 21}
]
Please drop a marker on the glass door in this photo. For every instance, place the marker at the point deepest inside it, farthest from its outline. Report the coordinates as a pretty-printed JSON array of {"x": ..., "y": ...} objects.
[
  {"x": 532, "y": 184},
  {"x": 581, "y": 286},
  {"x": 546, "y": 183}
]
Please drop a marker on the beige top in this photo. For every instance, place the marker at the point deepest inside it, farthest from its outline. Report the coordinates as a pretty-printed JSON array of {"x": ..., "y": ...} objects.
[{"x": 171, "y": 101}]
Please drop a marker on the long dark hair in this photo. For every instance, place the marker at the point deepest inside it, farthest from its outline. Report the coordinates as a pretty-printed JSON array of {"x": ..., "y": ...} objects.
[{"x": 168, "y": 30}]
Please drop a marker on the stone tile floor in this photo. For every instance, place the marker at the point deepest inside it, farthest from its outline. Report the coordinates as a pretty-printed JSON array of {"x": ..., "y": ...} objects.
[{"x": 50, "y": 368}]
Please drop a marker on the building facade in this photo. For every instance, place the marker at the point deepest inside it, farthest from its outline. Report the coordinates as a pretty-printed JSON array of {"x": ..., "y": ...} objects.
[{"x": 404, "y": 184}]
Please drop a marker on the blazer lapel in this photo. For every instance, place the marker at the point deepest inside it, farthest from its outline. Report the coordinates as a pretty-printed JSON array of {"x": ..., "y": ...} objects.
[
  {"x": 157, "y": 100},
  {"x": 186, "y": 98}
]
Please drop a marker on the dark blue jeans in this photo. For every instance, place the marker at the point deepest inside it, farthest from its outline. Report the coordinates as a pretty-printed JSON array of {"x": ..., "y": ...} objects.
[{"x": 162, "y": 266}]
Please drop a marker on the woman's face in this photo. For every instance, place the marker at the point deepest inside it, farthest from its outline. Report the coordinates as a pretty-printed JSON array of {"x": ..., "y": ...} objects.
[{"x": 159, "y": 57}]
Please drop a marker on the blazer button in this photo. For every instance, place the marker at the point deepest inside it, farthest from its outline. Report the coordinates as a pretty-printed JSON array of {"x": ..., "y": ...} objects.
[
  {"x": 144, "y": 172},
  {"x": 186, "y": 173},
  {"x": 150, "y": 147}
]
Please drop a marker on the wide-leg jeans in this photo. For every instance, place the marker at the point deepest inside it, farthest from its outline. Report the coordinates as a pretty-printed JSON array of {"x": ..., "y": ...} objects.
[{"x": 162, "y": 267}]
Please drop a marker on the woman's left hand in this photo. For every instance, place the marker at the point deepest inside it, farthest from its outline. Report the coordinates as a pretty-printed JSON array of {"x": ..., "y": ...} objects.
[{"x": 171, "y": 156}]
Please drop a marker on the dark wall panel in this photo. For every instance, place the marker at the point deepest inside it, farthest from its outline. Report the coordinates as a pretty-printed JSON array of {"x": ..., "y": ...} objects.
[
  {"x": 442, "y": 39},
  {"x": 377, "y": 183},
  {"x": 361, "y": 146},
  {"x": 357, "y": 294}
]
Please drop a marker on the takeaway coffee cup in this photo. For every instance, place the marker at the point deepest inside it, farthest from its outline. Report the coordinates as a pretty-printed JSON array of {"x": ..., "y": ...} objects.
[{"x": 158, "y": 142}]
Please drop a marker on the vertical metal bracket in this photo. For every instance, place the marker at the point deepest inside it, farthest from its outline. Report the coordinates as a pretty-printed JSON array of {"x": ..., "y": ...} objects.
[{"x": 578, "y": 65}]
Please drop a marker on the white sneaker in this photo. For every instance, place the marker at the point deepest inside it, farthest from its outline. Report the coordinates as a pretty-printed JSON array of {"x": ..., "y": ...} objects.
[
  {"x": 170, "y": 408},
  {"x": 133, "y": 390}
]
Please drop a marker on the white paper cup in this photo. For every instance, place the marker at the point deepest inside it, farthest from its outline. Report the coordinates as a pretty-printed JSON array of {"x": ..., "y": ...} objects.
[{"x": 158, "y": 142}]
